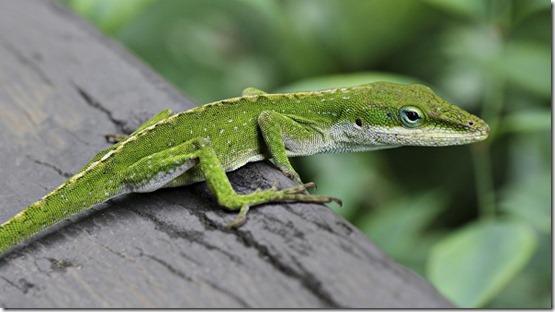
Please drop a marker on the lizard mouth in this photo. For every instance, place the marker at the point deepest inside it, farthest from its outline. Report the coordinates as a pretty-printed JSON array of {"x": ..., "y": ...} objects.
[
  {"x": 445, "y": 139},
  {"x": 482, "y": 134},
  {"x": 430, "y": 136}
]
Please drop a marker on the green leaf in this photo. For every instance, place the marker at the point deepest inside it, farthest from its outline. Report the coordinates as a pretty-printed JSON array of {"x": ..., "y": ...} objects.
[
  {"x": 529, "y": 156},
  {"x": 527, "y": 192},
  {"x": 472, "y": 265},
  {"x": 526, "y": 121},
  {"x": 466, "y": 8},
  {"x": 528, "y": 65},
  {"x": 354, "y": 170},
  {"x": 526, "y": 8},
  {"x": 531, "y": 288},
  {"x": 529, "y": 200},
  {"x": 107, "y": 14},
  {"x": 398, "y": 226},
  {"x": 341, "y": 28},
  {"x": 335, "y": 81}
]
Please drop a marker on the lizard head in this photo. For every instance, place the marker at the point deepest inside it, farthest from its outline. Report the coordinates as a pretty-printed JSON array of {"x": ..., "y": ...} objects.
[{"x": 390, "y": 114}]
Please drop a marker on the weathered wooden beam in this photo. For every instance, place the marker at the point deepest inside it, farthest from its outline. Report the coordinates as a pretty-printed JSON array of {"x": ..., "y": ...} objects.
[{"x": 62, "y": 87}]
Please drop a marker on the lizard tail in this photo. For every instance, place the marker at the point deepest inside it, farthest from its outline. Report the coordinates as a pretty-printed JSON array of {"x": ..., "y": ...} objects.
[{"x": 69, "y": 200}]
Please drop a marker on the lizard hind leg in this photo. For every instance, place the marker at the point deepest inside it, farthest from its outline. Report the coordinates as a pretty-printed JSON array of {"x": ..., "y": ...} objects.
[{"x": 156, "y": 170}]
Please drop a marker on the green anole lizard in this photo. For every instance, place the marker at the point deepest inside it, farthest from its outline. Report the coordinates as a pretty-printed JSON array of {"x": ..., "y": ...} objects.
[{"x": 203, "y": 143}]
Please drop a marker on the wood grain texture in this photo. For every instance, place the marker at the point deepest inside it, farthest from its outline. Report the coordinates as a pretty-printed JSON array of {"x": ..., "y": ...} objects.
[{"x": 62, "y": 87}]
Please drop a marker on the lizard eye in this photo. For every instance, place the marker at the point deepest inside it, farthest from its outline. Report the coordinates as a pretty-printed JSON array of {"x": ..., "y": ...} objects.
[{"x": 411, "y": 116}]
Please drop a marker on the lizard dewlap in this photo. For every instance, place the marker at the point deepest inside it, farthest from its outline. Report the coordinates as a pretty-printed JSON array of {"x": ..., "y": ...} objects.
[{"x": 204, "y": 143}]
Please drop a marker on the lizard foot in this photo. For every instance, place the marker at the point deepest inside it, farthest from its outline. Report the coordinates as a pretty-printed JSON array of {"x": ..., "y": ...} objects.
[
  {"x": 298, "y": 193},
  {"x": 292, "y": 194}
]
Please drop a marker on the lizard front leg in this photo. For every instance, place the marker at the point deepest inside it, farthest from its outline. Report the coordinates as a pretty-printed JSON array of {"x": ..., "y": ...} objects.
[
  {"x": 275, "y": 127},
  {"x": 154, "y": 171}
]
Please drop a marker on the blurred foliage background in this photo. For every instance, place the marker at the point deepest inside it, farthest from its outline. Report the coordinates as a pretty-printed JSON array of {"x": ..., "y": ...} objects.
[{"x": 474, "y": 220}]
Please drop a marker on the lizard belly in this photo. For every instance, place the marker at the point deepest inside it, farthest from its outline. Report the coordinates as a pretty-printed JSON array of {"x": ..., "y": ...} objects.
[{"x": 241, "y": 163}]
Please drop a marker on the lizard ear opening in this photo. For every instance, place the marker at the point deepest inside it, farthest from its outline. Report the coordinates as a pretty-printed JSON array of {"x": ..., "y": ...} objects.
[{"x": 358, "y": 122}]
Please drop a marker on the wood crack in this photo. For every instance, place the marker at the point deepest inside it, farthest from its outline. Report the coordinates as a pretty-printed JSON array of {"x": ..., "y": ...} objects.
[
  {"x": 189, "y": 235},
  {"x": 92, "y": 102},
  {"x": 51, "y": 166},
  {"x": 169, "y": 267},
  {"x": 24, "y": 285},
  {"x": 308, "y": 280},
  {"x": 28, "y": 62},
  {"x": 187, "y": 278}
]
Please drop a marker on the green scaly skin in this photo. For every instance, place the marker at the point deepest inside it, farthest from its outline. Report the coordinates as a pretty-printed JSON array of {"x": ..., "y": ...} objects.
[{"x": 204, "y": 143}]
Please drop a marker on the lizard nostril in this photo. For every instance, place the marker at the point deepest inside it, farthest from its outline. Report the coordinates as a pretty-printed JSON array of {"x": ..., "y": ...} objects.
[{"x": 471, "y": 123}]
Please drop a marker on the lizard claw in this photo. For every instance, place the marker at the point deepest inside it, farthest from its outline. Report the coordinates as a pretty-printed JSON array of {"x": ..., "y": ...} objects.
[
  {"x": 300, "y": 193},
  {"x": 240, "y": 219},
  {"x": 337, "y": 201},
  {"x": 298, "y": 189},
  {"x": 292, "y": 175},
  {"x": 295, "y": 189},
  {"x": 310, "y": 185},
  {"x": 274, "y": 186}
]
